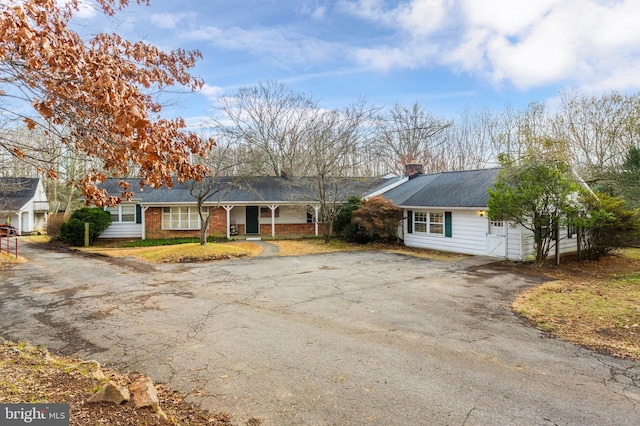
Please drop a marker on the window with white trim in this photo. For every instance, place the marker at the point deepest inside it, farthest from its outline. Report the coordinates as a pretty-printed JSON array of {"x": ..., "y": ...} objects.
[
  {"x": 428, "y": 222},
  {"x": 420, "y": 223},
  {"x": 436, "y": 223},
  {"x": 122, "y": 213},
  {"x": 181, "y": 217}
]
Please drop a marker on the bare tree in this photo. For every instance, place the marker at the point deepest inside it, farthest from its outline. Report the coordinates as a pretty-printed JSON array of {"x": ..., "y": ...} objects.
[
  {"x": 467, "y": 142},
  {"x": 271, "y": 122},
  {"x": 222, "y": 163},
  {"x": 600, "y": 130},
  {"x": 408, "y": 135},
  {"x": 335, "y": 136}
]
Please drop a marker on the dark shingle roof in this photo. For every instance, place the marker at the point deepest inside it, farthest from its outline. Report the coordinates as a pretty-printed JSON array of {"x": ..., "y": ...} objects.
[
  {"x": 448, "y": 189},
  {"x": 255, "y": 189},
  {"x": 16, "y": 192},
  {"x": 112, "y": 186}
]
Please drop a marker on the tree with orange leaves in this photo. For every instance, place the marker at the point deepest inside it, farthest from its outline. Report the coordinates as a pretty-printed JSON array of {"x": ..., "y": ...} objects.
[{"x": 99, "y": 92}]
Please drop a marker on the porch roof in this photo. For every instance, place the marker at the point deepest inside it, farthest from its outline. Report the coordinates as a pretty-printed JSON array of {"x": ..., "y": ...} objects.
[{"x": 245, "y": 190}]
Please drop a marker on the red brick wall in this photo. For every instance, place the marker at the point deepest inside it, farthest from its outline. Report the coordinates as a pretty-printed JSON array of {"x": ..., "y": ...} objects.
[
  {"x": 153, "y": 224},
  {"x": 218, "y": 220},
  {"x": 288, "y": 228},
  {"x": 218, "y": 225}
]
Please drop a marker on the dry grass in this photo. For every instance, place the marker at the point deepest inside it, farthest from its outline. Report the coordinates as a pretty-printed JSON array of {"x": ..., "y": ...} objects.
[
  {"x": 595, "y": 304},
  {"x": 428, "y": 254},
  {"x": 30, "y": 374},
  {"x": 42, "y": 239},
  {"x": 7, "y": 260},
  {"x": 318, "y": 246},
  {"x": 313, "y": 246},
  {"x": 191, "y": 252}
]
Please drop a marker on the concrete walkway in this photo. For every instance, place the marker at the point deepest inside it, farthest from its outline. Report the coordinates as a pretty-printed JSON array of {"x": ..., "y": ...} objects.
[{"x": 268, "y": 249}]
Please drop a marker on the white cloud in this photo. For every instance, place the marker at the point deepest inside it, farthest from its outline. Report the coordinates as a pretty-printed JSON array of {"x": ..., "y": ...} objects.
[
  {"x": 319, "y": 12},
  {"x": 505, "y": 17},
  {"x": 315, "y": 11},
  {"x": 422, "y": 17},
  {"x": 525, "y": 43},
  {"x": 211, "y": 92},
  {"x": 388, "y": 58},
  {"x": 170, "y": 20},
  {"x": 371, "y": 10},
  {"x": 197, "y": 123},
  {"x": 274, "y": 43}
]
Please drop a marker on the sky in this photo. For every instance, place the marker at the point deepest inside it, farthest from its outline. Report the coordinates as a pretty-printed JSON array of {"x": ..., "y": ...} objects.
[{"x": 445, "y": 54}]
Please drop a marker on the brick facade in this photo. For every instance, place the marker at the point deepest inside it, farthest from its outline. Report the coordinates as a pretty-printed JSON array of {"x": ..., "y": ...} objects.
[
  {"x": 289, "y": 228},
  {"x": 217, "y": 225}
]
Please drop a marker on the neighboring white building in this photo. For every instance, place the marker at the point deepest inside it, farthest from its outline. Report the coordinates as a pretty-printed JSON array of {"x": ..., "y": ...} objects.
[
  {"x": 23, "y": 204},
  {"x": 448, "y": 211}
]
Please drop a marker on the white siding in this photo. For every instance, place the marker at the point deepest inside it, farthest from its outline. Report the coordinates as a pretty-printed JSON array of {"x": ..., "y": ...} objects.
[
  {"x": 26, "y": 220},
  {"x": 468, "y": 234},
  {"x": 514, "y": 242},
  {"x": 567, "y": 245},
  {"x": 123, "y": 230}
]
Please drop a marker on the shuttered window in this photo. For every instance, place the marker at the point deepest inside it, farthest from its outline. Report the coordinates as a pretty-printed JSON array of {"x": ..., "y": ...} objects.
[
  {"x": 447, "y": 225},
  {"x": 427, "y": 222},
  {"x": 123, "y": 213}
]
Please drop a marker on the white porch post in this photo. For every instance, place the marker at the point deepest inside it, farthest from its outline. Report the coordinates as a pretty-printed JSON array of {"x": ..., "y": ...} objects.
[
  {"x": 317, "y": 211},
  {"x": 20, "y": 222},
  {"x": 143, "y": 212},
  {"x": 273, "y": 220},
  {"x": 228, "y": 209}
]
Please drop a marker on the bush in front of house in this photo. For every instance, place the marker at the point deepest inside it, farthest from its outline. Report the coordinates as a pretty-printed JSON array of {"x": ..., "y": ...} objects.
[
  {"x": 54, "y": 223},
  {"x": 607, "y": 224},
  {"x": 373, "y": 220},
  {"x": 343, "y": 227},
  {"x": 72, "y": 232},
  {"x": 377, "y": 220}
]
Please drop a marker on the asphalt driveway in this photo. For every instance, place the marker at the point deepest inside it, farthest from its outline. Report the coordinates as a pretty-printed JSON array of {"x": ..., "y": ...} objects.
[{"x": 336, "y": 339}]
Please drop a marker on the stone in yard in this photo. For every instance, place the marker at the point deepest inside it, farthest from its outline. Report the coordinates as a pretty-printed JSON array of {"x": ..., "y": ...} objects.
[
  {"x": 111, "y": 392},
  {"x": 145, "y": 395},
  {"x": 91, "y": 368}
]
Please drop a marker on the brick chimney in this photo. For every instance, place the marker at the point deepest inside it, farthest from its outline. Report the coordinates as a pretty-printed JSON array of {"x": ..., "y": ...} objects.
[{"x": 412, "y": 170}]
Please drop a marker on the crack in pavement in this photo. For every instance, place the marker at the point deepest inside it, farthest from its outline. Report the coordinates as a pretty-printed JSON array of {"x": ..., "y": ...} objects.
[{"x": 359, "y": 338}]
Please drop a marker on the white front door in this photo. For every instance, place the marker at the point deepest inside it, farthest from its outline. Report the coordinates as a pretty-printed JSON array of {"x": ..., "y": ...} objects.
[{"x": 496, "y": 240}]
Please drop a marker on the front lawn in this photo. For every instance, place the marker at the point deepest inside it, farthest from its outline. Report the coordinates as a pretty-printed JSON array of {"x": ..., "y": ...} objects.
[
  {"x": 595, "y": 304},
  {"x": 186, "y": 252}
]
